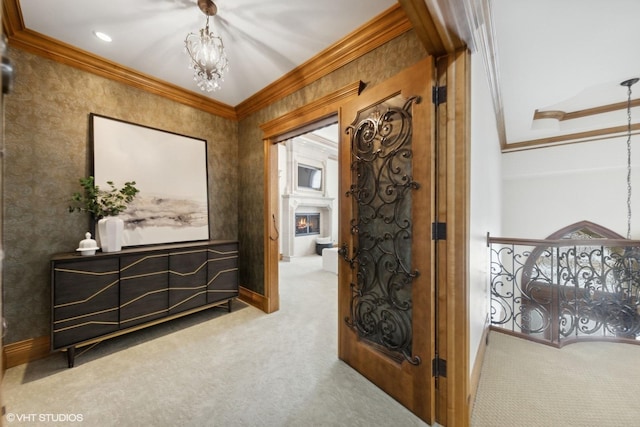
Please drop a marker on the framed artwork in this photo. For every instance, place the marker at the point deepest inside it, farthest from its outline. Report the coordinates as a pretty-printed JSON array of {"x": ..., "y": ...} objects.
[{"x": 169, "y": 169}]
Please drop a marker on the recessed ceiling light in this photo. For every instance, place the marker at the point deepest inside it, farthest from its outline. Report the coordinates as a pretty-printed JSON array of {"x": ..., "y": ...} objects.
[{"x": 102, "y": 36}]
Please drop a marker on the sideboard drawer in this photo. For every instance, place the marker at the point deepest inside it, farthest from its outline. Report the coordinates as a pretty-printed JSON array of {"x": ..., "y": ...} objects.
[
  {"x": 85, "y": 300},
  {"x": 187, "y": 280},
  {"x": 222, "y": 278},
  {"x": 144, "y": 288}
]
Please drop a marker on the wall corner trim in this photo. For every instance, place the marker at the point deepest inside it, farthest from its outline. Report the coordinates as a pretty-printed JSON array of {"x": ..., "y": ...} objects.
[
  {"x": 474, "y": 380},
  {"x": 254, "y": 299}
]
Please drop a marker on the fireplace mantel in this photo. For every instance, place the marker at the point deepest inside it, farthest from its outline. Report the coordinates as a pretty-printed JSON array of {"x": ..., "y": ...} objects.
[
  {"x": 302, "y": 199},
  {"x": 293, "y": 246},
  {"x": 298, "y": 195}
]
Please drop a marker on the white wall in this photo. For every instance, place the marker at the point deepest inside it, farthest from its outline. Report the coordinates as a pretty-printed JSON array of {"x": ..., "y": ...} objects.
[
  {"x": 332, "y": 191},
  {"x": 282, "y": 183},
  {"x": 546, "y": 189},
  {"x": 485, "y": 204}
]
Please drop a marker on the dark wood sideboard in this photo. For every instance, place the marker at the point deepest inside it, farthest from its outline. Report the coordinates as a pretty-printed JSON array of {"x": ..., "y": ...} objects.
[{"x": 97, "y": 297}]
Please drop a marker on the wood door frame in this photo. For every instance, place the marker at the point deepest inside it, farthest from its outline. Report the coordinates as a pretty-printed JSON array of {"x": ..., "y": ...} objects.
[
  {"x": 452, "y": 257},
  {"x": 441, "y": 26},
  {"x": 294, "y": 123}
]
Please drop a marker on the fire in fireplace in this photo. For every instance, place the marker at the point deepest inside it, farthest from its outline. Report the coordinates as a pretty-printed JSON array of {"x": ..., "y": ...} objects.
[{"x": 307, "y": 223}]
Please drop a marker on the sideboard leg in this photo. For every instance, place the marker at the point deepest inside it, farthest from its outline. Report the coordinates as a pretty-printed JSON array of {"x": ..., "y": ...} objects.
[
  {"x": 229, "y": 306},
  {"x": 71, "y": 356}
]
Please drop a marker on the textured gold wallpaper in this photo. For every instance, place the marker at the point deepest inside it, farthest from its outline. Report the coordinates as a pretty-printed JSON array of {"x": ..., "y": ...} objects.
[
  {"x": 47, "y": 142},
  {"x": 47, "y": 150},
  {"x": 373, "y": 68}
]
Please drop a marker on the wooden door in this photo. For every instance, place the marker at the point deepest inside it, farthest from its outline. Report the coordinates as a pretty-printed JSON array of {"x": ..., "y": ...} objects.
[{"x": 386, "y": 289}]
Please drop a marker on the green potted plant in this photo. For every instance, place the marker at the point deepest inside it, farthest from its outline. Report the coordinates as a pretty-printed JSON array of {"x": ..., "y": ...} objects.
[
  {"x": 104, "y": 206},
  {"x": 102, "y": 203}
]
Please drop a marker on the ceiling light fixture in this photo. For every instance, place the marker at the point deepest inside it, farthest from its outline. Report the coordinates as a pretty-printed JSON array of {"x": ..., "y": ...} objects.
[
  {"x": 102, "y": 36},
  {"x": 206, "y": 51}
]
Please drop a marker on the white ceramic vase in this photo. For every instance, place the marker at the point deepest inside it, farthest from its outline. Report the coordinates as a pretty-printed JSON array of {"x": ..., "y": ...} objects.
[{"x": 110, "y": 233}]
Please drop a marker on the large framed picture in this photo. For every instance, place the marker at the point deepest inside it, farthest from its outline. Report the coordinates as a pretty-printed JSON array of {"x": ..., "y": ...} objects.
[{"x": 169, "y": 169}]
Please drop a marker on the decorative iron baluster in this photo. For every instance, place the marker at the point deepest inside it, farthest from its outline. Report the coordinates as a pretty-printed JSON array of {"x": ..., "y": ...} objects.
[{"x": 566, "y": 293}]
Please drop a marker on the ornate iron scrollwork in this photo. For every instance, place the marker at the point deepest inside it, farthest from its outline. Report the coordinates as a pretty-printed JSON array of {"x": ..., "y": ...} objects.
[
  {"x": 567, "y": 293},
  {"x": 382, "y": 182}
]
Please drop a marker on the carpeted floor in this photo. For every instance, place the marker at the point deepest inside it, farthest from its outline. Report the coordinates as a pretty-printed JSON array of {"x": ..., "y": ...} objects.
[
  {"x": 214, "y": 368},
  {"x": 247, "y": 368},
  {"x": 526, "y": 384}
]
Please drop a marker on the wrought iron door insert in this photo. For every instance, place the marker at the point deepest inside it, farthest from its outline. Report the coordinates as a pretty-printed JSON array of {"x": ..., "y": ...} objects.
[{"x": 382, "y": 185}]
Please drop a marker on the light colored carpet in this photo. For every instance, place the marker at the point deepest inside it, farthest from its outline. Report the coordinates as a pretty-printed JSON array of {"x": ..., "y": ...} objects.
[
  {"x": 214, "y": 368},
  {"x": 585, "y": 384},
  {"x": 247, "y": 368}
]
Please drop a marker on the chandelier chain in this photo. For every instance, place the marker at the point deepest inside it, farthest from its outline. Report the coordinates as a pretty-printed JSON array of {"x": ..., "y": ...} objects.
[{"x": 629, "y": 161}]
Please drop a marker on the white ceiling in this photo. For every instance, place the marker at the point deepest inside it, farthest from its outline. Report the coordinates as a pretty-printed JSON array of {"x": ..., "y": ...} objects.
[
  {"x": 264, "y": 39},
  {"x": 551, "y": 54},
  {"x": 565, "y": 55}
]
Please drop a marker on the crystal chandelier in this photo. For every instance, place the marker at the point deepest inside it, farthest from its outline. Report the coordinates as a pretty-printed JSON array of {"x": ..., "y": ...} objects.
[{"x": 206, "y": 51}]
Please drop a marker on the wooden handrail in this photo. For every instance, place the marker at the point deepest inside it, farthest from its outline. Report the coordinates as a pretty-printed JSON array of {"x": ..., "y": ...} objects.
[{"x": 562, "y": 242}]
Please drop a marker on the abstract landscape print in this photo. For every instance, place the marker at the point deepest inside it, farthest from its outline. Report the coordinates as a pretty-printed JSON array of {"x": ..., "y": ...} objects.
[{"x": 169, "y": 169}]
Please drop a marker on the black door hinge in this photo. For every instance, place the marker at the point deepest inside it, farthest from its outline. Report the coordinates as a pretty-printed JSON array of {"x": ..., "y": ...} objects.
[
  {"x": 439, "y": 367},
  {"x": 439, "y": 231},
  {"x": 439, "y": 95}
]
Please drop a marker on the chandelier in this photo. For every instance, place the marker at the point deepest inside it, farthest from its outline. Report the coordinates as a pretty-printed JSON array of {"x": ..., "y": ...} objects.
[{"x": 206, "y": 51}]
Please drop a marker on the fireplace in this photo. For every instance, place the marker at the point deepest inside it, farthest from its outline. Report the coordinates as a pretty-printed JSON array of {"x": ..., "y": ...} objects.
[
  {"x": 307, "y": 224},
  {"x": 304, "y": 219}
]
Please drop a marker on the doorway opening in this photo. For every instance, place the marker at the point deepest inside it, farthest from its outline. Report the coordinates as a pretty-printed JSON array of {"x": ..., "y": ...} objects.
[
  {"x": 308, "y": 193},
  {"x": 316, "y": 115},
  {"x": 308, "y": 205}
]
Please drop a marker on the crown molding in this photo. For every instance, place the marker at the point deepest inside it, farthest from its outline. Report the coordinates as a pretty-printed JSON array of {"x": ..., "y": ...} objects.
[
  {"x": 380, "y": 30},
  {"x": 586, "y": 136},
  {"x": 46, "y": 47},
  {"x": 570, "y": 115},
  {"x": 443, "y": 26},
  {"x": 424, "y": 25},
  {"x": 480, "y": 15}
]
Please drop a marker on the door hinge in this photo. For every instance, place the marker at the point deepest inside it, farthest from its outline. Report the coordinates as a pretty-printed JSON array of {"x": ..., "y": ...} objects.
[
  {"x": 439, "y": 95},
  {"x": 439, "y": 231},
  {"x": 439, "y": 367}
]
